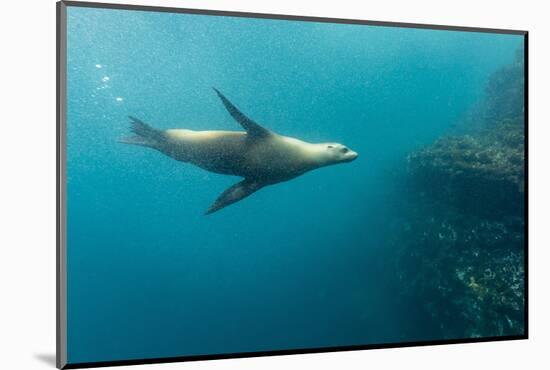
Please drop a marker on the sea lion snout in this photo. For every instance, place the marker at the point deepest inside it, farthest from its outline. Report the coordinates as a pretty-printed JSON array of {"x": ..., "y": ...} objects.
[{"x": 351, "y": 156}]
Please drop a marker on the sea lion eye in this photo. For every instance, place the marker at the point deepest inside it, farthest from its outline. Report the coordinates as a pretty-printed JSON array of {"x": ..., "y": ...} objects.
[
  {"x": 344, "y": 150},
  {"x": 330, "y": 146}
]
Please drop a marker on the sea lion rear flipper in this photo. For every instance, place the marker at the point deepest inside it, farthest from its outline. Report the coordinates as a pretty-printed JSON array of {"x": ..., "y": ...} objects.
[
  {"x": 144, "y": 134},
  {"x": 251, "y": 127},
  {"x": 234, "y": 194}
]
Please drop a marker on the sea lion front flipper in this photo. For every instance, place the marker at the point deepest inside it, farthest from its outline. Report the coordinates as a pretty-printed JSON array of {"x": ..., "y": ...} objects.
[
  {"x": 251, "y": 127},
  {"x": 234, "y": 194}
]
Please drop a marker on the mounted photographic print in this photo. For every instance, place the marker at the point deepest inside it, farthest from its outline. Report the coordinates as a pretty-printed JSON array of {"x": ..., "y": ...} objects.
[{"x": 236, "y": 184}]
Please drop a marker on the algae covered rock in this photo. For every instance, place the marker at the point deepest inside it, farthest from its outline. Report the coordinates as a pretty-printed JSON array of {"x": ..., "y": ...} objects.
[
  {"x": 480, "y": 173},
  {"x": 463, "y": 258}
]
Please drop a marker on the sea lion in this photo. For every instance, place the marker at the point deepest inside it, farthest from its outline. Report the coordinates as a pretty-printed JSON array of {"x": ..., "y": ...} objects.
[{"x": 262, "y": 157}]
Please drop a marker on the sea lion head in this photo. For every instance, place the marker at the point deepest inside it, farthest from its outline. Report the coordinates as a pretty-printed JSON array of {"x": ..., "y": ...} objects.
[{"x": 334, "y": 153}]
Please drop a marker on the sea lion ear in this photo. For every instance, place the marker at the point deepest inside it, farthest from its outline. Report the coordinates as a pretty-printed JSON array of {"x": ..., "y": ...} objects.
[{"x": 252, "y": 128}]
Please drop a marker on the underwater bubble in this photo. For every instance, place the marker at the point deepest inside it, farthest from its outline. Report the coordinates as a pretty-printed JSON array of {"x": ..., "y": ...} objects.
[
  {"x": 105, "y": 79},
  {"x": 118, "y": 98},
  {"x": 98, "y": 66}
]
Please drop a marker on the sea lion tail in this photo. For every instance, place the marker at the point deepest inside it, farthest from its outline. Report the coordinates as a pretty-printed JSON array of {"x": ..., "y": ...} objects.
[{"x": 145, "y": 134}]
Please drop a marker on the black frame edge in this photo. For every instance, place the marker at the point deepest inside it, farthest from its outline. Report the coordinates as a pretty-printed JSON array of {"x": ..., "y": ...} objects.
[
  {"x": 288, "y": 352},
  {"x": 60, "y": 273},
  {"x": 228, "y": 13},
  {"x": 526, "y": 180},
  {"x": 61, "y": 329}
]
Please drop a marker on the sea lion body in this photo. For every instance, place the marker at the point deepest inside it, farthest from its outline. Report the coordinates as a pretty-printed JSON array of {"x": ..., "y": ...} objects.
[
  {"x": 271, "y": 159},
  {"x": 260, "y": 156}
]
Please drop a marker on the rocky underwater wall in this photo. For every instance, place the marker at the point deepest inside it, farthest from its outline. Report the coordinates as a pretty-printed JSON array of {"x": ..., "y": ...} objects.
[{"x": 460, "y": 248}]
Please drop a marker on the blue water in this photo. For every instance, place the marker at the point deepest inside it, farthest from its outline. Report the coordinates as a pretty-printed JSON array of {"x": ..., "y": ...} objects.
[{"x": 295, "y": 265}]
